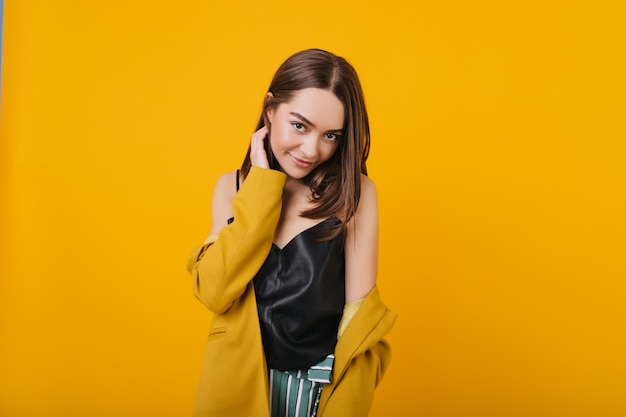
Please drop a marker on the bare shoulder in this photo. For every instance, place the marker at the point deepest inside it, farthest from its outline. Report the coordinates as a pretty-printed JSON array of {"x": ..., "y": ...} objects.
[
  {"x": 368, "y": 202},
  {"x": 223, "y": 194},
  {"x": 226, "y": 184},
  {"x": 368, "y": 188}
]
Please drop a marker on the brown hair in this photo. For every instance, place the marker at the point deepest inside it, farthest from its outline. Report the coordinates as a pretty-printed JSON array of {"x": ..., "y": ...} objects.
[{"x": 336, "y": 184}]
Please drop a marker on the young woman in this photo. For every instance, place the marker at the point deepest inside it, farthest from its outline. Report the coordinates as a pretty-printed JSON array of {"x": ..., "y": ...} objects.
[{"x": 289, "y": 268}]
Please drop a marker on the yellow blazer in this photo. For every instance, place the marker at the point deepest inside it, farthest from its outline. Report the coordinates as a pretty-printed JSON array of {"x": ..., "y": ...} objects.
[{"x": 234, "y": 379}]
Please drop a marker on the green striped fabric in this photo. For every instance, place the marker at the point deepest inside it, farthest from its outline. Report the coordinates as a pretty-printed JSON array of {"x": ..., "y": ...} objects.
[
  {"x": 322, "y": 371},
  {"x": 296, "y": 393}
]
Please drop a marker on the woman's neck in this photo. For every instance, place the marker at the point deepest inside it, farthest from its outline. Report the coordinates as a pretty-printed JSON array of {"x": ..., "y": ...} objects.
[{"x": 295, "y": 186}]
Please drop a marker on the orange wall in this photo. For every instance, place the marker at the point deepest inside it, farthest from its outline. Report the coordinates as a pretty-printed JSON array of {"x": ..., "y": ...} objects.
[{"x": 498, "y": 150}]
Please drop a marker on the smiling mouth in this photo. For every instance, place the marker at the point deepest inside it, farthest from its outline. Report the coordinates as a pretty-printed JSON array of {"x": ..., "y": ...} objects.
[{"x": 301, "y": 163}]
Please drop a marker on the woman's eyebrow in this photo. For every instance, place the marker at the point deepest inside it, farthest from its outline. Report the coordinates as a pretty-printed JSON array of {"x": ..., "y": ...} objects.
[
  {"x": 301, "y": 117},
  {"x": 310, "y": 123}
]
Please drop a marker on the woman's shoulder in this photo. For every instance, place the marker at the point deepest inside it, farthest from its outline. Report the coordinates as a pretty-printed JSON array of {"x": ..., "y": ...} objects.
[
  {"x": 367, "y": 198},
  {"x": 367, "y": 209},
  {"x": 227, "y": 183},
  {"x": 368, "y": 188},
  {"x": 223, "y": 195}
]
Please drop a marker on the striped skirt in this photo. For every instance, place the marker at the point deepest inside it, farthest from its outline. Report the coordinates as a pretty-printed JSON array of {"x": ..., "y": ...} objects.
[{"x": 297, "y": 393}]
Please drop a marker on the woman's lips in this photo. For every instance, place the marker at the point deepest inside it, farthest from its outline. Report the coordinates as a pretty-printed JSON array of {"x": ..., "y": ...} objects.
[{"x": 300, "y": 162}]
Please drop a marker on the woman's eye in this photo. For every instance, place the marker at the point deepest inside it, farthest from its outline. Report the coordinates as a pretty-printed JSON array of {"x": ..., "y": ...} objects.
[
  {"x": 331, "y": 136},
  {"x": 298, "y": 126}
]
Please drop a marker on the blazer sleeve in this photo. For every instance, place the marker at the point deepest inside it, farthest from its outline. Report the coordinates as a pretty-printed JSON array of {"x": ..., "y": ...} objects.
[
  {"x": 354, "y": 394},
  {"x": 221, "y": 270},
  {"x": 362, "y": 357}
]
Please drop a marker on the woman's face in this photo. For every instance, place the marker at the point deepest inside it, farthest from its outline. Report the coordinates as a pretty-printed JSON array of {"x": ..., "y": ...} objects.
[{"x": 305, "y": 131}]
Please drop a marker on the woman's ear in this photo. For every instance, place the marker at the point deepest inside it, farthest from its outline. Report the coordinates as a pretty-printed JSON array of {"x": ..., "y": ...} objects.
[{"x": 269, "y": 112}]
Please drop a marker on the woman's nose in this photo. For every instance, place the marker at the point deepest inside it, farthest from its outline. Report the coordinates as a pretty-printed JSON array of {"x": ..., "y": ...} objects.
[{"x": 308, "y": 147}]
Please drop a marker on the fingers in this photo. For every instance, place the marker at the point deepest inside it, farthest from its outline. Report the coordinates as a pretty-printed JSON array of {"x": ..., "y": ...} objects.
[{"x": 258, "y": 156}]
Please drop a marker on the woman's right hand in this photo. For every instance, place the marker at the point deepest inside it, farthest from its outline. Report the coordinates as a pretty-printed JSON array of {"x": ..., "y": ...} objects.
[{"x": 258, "y": 156}]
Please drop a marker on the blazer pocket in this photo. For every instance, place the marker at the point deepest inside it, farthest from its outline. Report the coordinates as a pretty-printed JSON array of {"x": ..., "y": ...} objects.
[{"x": 216, "y": 333}]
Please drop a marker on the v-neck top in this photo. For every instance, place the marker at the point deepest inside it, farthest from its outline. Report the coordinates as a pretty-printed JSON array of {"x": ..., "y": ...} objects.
[{"x": 300, "y": 294}]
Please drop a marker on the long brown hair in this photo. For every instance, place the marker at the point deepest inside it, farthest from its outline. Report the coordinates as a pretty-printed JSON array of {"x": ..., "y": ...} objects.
[{"x": 336, "y": 184}]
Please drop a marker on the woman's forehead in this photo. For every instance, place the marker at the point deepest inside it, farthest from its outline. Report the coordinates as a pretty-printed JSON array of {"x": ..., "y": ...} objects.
[{"x": 320, "y": 107}]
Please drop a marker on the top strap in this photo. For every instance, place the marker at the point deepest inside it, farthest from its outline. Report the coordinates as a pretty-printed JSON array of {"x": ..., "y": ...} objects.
[{"x": 229, "y": 221}]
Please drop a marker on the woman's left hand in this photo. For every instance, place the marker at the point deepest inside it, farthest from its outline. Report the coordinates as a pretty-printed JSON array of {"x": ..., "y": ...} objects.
[{"x": 258, "y": 156}]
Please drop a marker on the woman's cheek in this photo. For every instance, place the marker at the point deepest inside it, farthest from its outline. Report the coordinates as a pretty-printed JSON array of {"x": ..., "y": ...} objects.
[{"x": 284, "y": 136}]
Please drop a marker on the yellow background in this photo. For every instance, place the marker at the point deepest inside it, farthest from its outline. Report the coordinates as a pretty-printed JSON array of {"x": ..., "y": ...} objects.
[{"x": 498, "y": 150}]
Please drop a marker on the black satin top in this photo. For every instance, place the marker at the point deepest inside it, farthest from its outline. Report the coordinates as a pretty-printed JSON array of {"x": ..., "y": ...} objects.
[{"x": 300, "y": 292}]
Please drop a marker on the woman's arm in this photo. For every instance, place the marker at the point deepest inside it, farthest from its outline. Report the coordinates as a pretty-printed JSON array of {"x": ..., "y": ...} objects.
[
  {"x": 362, "y": 355},
  {"x": 221, "y": 269},
  {"x": 361, "y": 247}
]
